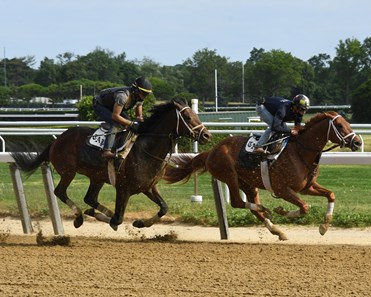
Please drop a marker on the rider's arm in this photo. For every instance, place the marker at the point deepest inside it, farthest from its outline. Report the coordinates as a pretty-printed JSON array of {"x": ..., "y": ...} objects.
[
  {"x": 116, "y": 115},
  {"x": 139, "y": 112},
  {"x": 278, "y": 124}
]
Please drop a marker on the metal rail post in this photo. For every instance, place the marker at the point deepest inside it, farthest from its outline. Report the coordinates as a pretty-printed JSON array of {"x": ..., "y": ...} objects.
[
  {"x": 52, "y": 201},
  {"x": 195, "y": 197},
  {"x": 21, "y": 199},
  {"x": 220, "y": 208}
]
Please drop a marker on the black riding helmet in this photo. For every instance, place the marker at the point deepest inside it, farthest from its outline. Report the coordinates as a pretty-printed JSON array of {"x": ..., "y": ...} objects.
[{"x": 142, "y": 84}]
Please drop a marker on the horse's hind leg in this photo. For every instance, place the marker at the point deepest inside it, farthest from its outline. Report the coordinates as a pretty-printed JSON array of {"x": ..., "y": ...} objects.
[
  {"x": 155, "y": 196},
  {"x": 91, "y": 198},
  {"x": 252, "y": 195},
  {"x": 61, "y": 192}
]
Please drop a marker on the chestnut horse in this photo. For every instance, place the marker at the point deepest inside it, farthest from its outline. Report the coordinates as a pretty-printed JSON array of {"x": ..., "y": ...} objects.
[
  {"x": 139, "y": 172},
  {"x": 294, "y": 171}
]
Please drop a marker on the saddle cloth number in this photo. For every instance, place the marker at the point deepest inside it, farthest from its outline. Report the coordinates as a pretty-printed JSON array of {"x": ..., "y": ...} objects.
[
  {"x": 98, "y": 138},
  {"x": 250, "y": 144}
]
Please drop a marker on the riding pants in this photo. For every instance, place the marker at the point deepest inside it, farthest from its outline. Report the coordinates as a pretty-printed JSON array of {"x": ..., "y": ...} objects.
[
  {"x": 106, "y": 115},
  {"x": 266, "y": 117}
]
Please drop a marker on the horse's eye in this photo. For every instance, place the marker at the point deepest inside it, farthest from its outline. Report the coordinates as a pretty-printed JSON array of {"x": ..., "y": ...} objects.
[{"x": 339, "y": 126}]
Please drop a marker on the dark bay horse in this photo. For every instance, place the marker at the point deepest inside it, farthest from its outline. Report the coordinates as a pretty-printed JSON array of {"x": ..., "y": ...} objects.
[
  {"x": 295, "y": 170},
  {"x": 139, "y": 173}
]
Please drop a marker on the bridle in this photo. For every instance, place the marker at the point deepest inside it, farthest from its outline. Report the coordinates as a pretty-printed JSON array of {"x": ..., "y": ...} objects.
[
  {"x": 192, "y": 130},
  {"x": 343, "y": 139},
  {"x": 194, "y": 135}
]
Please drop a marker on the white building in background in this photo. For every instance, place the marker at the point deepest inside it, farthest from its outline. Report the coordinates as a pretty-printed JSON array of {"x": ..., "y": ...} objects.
[{"x": 42, "y": 100}]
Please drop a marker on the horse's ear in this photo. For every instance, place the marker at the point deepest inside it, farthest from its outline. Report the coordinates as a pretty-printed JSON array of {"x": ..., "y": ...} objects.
[{"x": 179, "y": 103}]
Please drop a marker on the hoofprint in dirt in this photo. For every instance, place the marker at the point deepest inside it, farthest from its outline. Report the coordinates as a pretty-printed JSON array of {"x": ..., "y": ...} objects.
[{"x": 296, "y": 234}]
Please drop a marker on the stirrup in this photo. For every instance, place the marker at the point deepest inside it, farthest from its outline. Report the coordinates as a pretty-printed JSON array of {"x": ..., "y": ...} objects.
[{"x": 107, "y": 154}]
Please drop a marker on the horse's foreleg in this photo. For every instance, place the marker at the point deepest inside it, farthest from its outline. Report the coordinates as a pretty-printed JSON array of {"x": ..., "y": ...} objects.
[
  {"x": 122, "y": 198},
  {"x": 275, "y": 230},
  {"x": 290, "y": 196},
  {"x": 289, "y": 214},
  {"x": 155, "y": 196},
  {"x": 316, "y": 190}
]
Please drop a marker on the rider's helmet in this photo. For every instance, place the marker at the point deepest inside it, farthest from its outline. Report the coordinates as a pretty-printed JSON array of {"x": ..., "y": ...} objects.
[
  {"x": 301, "y": 101},
  {"x": 142, "y": 84}
]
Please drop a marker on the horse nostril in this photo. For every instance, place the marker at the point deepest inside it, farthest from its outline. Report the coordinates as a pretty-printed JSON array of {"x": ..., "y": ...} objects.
[{"x": 206, "y": 137}]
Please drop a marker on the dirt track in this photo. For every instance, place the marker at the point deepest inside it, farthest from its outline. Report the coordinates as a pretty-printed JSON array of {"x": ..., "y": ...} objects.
[{"x": 137, "y": 264}]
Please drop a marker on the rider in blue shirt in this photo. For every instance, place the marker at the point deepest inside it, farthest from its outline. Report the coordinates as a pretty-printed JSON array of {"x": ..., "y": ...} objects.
[{"x": 275, "y": 112}]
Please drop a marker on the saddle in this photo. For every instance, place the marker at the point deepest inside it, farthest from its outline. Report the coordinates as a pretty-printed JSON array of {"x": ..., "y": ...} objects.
[
  {"x": 95, "y": 143},
  {"x": 248, "y": 159}
]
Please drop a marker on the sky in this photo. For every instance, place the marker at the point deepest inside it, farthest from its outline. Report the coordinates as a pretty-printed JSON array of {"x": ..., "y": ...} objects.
[{"x": 172, "y": 31}]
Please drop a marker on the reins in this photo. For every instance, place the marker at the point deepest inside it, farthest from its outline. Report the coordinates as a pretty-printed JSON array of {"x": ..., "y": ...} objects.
[
  {"x": 338, "y": 135},
  {"x": 172, "y": 139}
]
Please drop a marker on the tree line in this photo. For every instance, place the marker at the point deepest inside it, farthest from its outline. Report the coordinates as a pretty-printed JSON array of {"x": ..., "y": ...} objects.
[{"x": 344, "y": 79}]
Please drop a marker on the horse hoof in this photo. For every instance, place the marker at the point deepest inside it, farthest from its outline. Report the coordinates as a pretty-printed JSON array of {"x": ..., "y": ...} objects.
[
  {"x": 323, "y": 229},
  {"x": 114, "y": 227},
  {"x": 77, "y": 222},
  {"x": 279, "y": 210},
  {"x": 138, "y": 224},
  {"x": 283, "y": 237},
  {"x": 90, "y": 212}
]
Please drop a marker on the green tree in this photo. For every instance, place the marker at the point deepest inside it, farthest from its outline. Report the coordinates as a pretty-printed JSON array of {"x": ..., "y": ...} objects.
[
  {"x": 276, "y": 73},
  {"x": 361, "y": 103},
  {"x": 128, "y": 71},
  {"x": 99, "y": 65},
  {"x": 5, "y": 95},
  {"x": 149, "y": 68},
  {"x": 30, "y": 91},
  {"x": 323, "y": 76},
  {"x": 47, "y": 73},
  {"x": 347, "y": 64},
  {"x": 162, "y": 90},
  {"x": 366, "y": 63},
  {"x": 19, "y": 71},
  {"x": 174, "y": 76},
  {"x": 233, "y": 82},
  {"x": 201, "y": 73}
]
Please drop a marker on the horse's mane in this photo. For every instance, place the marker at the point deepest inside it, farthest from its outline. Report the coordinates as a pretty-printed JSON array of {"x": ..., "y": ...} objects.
[
  {"x": 319, "y": 117},
  {"x": 157, "y": 111}
]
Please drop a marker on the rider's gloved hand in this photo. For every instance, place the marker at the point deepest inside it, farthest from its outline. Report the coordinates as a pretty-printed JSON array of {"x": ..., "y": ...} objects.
[{"x": 134, "y": 127}]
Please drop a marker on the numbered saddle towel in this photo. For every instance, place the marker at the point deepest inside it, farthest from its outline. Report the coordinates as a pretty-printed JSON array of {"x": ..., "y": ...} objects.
[
  {"x": 246, "y": 158},
  {"x": 99, "y": 136}
]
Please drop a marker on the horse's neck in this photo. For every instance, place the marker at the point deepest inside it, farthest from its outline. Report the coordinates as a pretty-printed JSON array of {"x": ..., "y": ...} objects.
[
  {"x": 157, "y": 141},
  {"x": 315, "y": 137}
]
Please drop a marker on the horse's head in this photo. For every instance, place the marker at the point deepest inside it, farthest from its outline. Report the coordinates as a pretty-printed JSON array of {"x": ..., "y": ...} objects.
[
  {"x": 340, "y": 132},
  {"x": 189, "y": 124}
]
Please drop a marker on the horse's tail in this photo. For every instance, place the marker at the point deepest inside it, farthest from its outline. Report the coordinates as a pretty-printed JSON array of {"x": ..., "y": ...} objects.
[
  {"x": 29, "y": 162},
  {"x": 183, "y": 166}
]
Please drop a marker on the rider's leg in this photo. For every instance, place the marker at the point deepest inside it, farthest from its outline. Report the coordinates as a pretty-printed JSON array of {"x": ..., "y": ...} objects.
[
  {"x": 110, "y": 140},
  {"x": 266, "y": 117}
]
